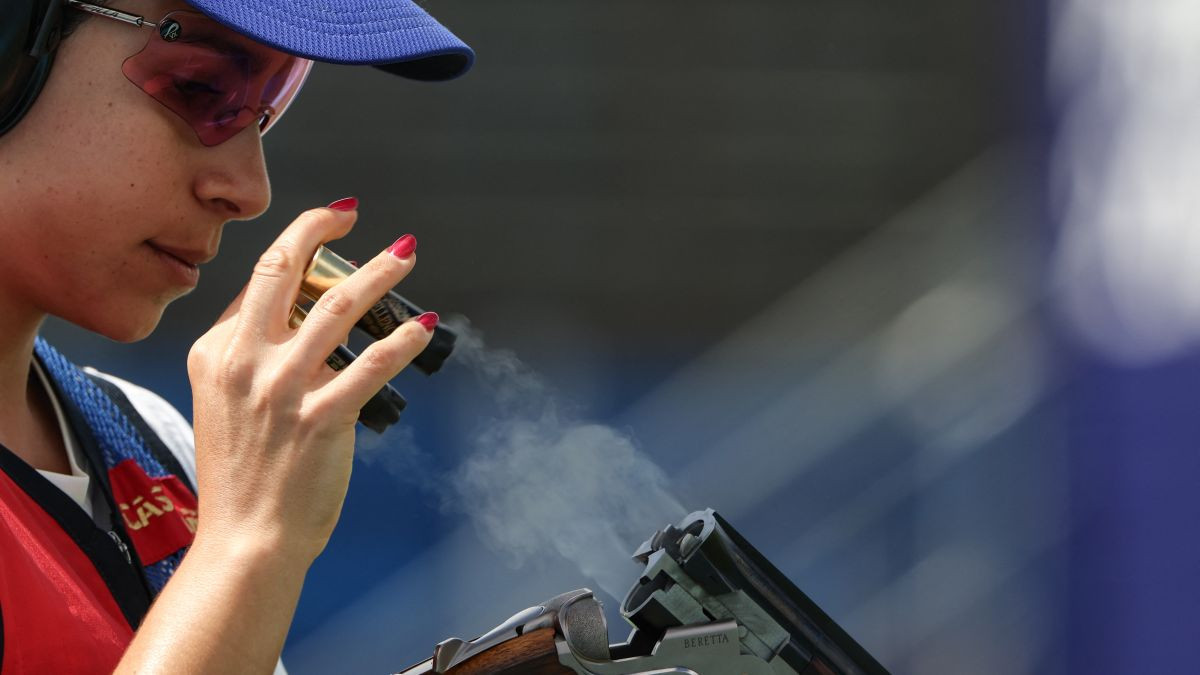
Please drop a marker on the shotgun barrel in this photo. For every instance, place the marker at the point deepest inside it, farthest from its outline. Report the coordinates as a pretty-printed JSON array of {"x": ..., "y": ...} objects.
[{"x": 706, "y": 603}]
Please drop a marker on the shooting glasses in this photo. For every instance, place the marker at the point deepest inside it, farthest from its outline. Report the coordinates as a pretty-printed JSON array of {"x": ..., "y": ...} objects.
[{"x": 214, "y": 78}]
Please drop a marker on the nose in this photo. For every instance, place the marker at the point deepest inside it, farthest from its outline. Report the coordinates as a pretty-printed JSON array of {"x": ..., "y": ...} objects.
[{"x": 233, "y": 177}]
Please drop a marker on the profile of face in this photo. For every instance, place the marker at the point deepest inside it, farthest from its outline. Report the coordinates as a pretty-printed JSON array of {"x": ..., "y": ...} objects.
[{"x": 103, "y": 188}]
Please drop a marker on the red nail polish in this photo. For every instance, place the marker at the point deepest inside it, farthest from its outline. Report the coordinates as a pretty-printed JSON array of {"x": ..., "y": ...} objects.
[
  {"x": 345, "y": 204},
  {"x": 404, "y": 247},
  {"x": 429, "y": 320}
]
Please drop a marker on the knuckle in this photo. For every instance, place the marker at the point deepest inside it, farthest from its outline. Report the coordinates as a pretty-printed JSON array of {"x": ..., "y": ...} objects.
[
  {"x": 198, "y": 358},
  {"x": 336, "y": 304},
  {"x": 383, "y": 357},
  {"x": 275, "y": 262},
  {"x": 234, "y": 372},
  {"x": 272, "y": 389},
  {"x": 234, "y": 368},
  {"x": 221, "y": 367},
  {"x": 206, "y": 353},
  {"x": 284, "y": 254}
]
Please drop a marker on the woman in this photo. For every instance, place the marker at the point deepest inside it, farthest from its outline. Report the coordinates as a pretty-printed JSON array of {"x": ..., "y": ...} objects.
[{"x": 125, "y": 148}]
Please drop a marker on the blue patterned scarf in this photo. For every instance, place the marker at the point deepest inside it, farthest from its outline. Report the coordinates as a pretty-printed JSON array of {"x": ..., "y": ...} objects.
[{"x": 115, "y": 434}]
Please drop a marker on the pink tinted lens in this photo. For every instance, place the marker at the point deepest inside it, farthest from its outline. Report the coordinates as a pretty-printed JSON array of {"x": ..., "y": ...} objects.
[{"x": 217, "y": 80}]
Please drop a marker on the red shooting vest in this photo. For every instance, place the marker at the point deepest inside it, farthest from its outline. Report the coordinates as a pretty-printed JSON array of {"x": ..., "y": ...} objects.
[
  {"x": 71, "y": 594},
  {"x": 59, "y": 615}
]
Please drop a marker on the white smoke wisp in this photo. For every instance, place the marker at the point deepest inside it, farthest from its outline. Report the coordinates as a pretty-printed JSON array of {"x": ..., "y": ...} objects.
[
  {"x": 396, "y": 451},
  {"x": 539, "y": 478}
]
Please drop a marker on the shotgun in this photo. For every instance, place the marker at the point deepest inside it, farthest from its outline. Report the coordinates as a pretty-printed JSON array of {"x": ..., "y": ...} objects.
[{"x": 706, "y": 603}]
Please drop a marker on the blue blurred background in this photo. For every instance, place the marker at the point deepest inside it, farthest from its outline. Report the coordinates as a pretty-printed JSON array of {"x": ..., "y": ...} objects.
[{"x": 903, "y": 290}]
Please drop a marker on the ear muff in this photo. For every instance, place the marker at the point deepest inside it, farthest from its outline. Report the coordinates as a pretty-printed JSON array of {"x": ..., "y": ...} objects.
[{"x": 29, "y": 34}]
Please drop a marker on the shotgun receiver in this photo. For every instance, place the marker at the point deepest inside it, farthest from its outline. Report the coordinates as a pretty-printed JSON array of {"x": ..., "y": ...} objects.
[{"x": 706, "y": 603}]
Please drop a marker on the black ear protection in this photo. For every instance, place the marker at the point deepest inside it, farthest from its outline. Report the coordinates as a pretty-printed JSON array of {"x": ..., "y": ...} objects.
[{"x": 29, "y": 34}]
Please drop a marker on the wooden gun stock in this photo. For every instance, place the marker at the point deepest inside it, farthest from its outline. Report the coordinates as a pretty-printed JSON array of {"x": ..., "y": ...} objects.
[{"x": 533, "y": 653}]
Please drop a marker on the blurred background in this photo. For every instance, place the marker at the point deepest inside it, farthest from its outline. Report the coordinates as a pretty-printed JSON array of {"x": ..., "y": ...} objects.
[{"x": 906, "y": 291}]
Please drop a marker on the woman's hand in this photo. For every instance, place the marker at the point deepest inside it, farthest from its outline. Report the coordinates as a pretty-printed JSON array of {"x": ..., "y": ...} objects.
[
  {"x": 274, "y": 424},
  {"x": 274, "y": 443}
]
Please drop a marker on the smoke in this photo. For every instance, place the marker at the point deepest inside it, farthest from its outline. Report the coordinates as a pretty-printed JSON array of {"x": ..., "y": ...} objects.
[
  {"x": 536, "y": 476},
  {"x": 539, "y": 477},
  {"x": 396, "y": 451}
]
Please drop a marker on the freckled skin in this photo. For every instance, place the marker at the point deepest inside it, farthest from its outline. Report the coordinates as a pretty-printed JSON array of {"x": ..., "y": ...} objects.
[
  {"x": 95, "y": 170},
  {"x": 83, "y": 188}
]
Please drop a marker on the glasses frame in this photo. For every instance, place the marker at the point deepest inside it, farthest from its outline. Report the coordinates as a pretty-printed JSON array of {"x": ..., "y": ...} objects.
[
  {"x": 110, "y": 13},
  {"x": 169, "y": 32}
]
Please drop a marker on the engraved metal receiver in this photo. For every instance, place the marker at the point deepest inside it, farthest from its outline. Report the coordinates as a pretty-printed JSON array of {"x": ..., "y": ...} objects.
[{"x": 706, "y": 603}]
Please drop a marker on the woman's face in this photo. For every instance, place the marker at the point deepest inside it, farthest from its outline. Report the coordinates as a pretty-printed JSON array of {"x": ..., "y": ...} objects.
[{"x": 99, "y": 181}]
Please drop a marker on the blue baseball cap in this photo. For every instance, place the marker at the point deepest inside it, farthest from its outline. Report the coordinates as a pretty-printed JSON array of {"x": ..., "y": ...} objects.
[{"x": 394, "y": 35}]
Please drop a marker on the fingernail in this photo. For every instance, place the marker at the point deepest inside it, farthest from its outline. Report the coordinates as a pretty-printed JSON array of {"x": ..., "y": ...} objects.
[
  {"x": 404, "y": 247},
  {"x": 429, "y": 320},
  {"x": 344, "y": 204}
]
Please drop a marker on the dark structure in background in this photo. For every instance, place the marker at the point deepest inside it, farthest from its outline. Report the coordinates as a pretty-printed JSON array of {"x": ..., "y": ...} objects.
[{"x": 647, "y": 172}]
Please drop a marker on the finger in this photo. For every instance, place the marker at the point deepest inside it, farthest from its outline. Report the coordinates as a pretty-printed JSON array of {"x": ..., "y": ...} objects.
[
  {"x": 336, "y": 312},
  {"x": 350, "y": 390},
  {"x": 275, "y": 282},
  {"x": 322, "y": 373}
]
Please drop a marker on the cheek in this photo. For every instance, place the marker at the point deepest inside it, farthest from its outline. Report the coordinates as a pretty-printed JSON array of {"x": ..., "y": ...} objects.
[
  {"x": 103, "y": 141},
  {"x": 103, "y": 168},
  {"x": 104, "y": 286},
  {"x": 104, "y": 177}
]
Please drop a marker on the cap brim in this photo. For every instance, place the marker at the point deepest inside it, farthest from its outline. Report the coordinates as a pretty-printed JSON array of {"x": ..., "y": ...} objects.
[{"x": 395, "y": 35}]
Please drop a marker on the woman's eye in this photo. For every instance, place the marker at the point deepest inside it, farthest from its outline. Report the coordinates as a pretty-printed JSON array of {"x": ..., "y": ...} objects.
[{"x": 196, "y": 87}]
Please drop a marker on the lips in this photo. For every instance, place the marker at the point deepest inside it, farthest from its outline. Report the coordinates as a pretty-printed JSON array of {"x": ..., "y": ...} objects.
[{"x": 188, "y": 256}]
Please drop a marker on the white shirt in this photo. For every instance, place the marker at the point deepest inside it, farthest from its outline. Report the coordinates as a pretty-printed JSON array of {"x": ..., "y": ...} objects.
[{"x": 75, "y": 484}]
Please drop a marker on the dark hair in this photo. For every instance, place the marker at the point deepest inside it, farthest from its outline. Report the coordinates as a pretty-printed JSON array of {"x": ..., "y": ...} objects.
[{"x": 73, "y": 18}]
